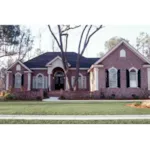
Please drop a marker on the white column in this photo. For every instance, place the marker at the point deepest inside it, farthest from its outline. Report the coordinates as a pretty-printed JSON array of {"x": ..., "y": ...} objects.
[
  {"x": 7, "y": 81},
  {"x": 29, "y": 81},
  {"x": 96, "y": 79},
  {"x": 49, "y": 82},
  {"x": 148, "y": 78}
]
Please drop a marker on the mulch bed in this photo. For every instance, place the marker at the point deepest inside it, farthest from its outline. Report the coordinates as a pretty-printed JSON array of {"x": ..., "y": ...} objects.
[{"x": 142, "y": 105}]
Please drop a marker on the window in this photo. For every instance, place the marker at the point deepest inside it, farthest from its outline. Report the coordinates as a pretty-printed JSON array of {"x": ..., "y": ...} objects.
[
  {"x": 122, "y": 53},
  {"x": 133, "y": 77},
  {"x": 18, "y": 81},
  {"x": 81, "y": 81},
  {"x": 113, "y": 77},
  {"x": 18, "y": 67},
  {"x": 39, "y": 81}
]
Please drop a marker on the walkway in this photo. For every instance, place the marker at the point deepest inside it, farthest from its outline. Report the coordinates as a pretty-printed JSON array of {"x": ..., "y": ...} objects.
[
  {"x": 70, "y": 101},
  {"x": 74, "y": 117}
]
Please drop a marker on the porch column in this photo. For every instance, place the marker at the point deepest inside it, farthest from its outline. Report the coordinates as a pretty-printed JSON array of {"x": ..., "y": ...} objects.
[
  {"x": 29, "y": 81},
  {"x": 96, "y": 79},
  {"x": 7, "y": 81},
  {"x": 49, "y": 82}
]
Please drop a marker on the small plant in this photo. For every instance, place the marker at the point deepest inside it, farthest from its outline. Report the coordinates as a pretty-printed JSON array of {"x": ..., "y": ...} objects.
[
  {"x": 62, "y": 97},
  {"x": 134, "y": 96},
  {"x": 137, "y": 103},
  {"x": 102, "y": 95},
  {"x": 39, "y": 98},
  {"x": 9, "y": 96},
  {"x": 113, "y": 96},
  {"x": 45, "y": 94}
]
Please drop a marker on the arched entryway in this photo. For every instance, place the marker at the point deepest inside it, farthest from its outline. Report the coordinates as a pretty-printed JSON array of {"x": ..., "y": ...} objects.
[{"x": 59, "y": 80}]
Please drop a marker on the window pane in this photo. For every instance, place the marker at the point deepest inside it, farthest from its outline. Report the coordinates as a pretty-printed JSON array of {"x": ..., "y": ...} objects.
[
  {"x": 133, "y": 82},
  {"x": 40, "y": 82},
  {"x": 18, "y": 81},
  {"x": 113, "y": 78}
]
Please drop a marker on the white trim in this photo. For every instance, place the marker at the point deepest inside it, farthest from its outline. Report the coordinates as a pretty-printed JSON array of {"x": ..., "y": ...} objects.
[
  {"x": 38, "y": 68},
  {"x": 18, "y": 67},
  {"x": 123, "y": 53},
  {"x": 116, "y": 77},
  {"x": 96, "y": 70},
  {"x": 18, "y": 73},
  {"x": 20, "y": 64},
  {"x": 133, "y": 68},
  {"x": 37, "y": 80},
  {"x": 29, "y": 81},
  {"x": 9, "y": 71},
  {"x": 130, "y": 47},
  {"x": 27, "y": 71},
  {"x": 7, "y": 81},
  {"x": 136, "y": 70},
  {"x": 79, "y": 68},
  {"x": 95, "y": 66},
  {"x": 57, "y": 57},
  {"x": 146, "y": 66}
]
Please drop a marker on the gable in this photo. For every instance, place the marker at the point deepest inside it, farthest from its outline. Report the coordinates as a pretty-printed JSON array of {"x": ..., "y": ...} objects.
[
  {"x": 15, "y": 65},
  {"x": 130, "y": 60},
  {"x": 124, "y": 45}
]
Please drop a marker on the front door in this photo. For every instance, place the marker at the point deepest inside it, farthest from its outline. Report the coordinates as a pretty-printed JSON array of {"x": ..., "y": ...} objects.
[{"x": 59, "y": 80}]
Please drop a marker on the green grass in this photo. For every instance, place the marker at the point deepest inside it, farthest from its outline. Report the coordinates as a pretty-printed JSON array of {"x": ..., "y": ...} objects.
[
  {"x": 76, "y": 108},
  {"x": 74, "y": 122}
]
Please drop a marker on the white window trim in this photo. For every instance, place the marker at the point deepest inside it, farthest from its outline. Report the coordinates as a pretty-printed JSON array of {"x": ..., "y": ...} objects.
[
  {"x": 116, "y": 77},
  {"x": 37, "y": 80},
  {"x": 18, "y": 73},
  {"x": 122, "y": 53},
  {"x": 136, "y": 70}
]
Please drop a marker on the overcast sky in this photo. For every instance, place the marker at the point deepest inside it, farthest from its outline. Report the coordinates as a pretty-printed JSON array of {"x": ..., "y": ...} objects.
[{"x": 97, "y": 42}]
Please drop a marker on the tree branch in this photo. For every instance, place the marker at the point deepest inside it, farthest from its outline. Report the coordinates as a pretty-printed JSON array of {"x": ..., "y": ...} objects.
[
  {"x": 54, "y": 36},
  {"x": 70, "y": 28},
  {"x": 79, "y": 46}
]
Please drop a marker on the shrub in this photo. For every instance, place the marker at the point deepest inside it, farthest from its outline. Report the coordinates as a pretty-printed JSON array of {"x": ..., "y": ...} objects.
[
  {"x": 137, "y": 103},
  {"x": 134, "y": 96},
  {"x": 113, "y": 96},
  {"x": 102, "y": 95},
  {"x": 62, "y": 97},
  {"x": 45, "y": 94},
  {"x": 39, "y": 98},
  {"x": 9, "y": 96}
]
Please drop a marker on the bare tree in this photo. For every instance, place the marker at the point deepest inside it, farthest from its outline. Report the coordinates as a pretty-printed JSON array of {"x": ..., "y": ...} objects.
[
  {"x": 62, "y": 42},
  {"x": 87, "y": 33}
]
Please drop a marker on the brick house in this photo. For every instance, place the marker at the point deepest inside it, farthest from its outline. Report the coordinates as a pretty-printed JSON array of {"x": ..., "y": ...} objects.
[{"x": 122, "y": 72}]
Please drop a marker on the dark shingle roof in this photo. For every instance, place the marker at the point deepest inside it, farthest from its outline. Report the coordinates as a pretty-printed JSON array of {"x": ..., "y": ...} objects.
[{"x": 42, "y": 60}]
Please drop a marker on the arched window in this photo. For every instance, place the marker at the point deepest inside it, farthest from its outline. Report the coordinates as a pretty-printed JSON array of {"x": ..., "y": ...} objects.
[
  {"x": 18, "y": 67},
  {"x": 18, "y": 81},
  {"x": 122, "y": 53},
  {"x": 40, "y": 81},
  {"x": 112, "y": 77},
  {"x": 133, "y": 77}
]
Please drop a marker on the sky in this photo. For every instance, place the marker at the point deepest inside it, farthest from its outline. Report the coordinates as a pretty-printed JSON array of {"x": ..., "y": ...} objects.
[{"x": 97, "y": 42}]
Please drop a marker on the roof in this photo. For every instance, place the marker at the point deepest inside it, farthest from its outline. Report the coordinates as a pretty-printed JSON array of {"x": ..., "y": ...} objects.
[{"x": 42, "y": 60}]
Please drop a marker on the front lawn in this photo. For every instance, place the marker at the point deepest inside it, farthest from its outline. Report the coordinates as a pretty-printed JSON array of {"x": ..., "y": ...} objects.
[{"x": 80, "y": 108}]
